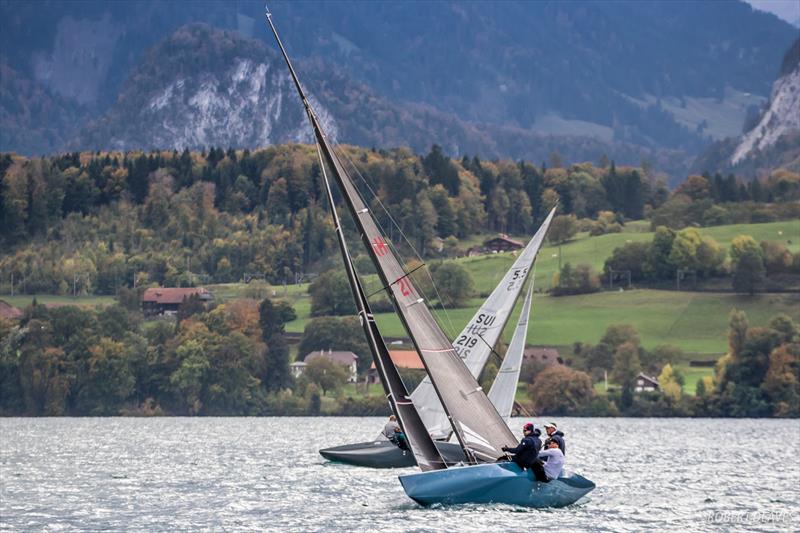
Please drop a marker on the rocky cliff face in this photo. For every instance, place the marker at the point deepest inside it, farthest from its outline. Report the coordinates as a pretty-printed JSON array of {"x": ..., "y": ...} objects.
[
  {"x": 205, "y": 87},
  {"x": 781, "y": 117},
  {"x": 774, "y": 142},
  {"x": 629, "y": 80}
]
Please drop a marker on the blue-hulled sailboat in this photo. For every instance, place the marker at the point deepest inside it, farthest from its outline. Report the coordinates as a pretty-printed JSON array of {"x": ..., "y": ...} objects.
[{"x": 479, "y": 429}]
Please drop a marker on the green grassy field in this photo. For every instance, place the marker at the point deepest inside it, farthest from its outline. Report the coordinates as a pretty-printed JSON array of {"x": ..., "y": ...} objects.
[
  {"x": 25, "y": 300},
  {"x": 487, "y": 270},
  {"x": 691, "y": 376},
  {"x": 695, "y": 322}
]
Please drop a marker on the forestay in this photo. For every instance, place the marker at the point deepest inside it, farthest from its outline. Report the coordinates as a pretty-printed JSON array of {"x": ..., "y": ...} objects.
[{"x": 477, "y": 340}]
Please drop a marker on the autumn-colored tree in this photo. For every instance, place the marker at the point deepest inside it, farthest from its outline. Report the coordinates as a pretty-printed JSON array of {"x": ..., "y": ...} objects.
[
  {"x": 326, "y": 373},
  {"x": 241, "y": 315},
  {"x": 669, "y": 383},
  {"x": 110, "y": 378},
  {"x": 560, "y": 390},
  {"x": 695, "y": 187},
  {"x": 562, "y": 228},
  {"x": 781, "y": 382},
  {"x": 45, "y": 374}
]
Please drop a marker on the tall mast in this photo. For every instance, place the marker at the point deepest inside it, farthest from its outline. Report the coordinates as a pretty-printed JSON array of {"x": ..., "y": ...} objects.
[
  {"x": 480, "y": 429},
  {"x": 421, "y": 444}
]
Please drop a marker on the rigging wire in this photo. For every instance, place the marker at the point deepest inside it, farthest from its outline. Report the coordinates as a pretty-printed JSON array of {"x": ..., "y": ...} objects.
[{"x": 343, "y": 154}]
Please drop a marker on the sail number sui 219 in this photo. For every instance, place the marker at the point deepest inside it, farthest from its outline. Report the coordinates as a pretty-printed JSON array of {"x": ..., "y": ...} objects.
[{"x": 465, "y": 343}]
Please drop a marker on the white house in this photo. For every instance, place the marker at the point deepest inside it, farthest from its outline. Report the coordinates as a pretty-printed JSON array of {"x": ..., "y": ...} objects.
[
  {"x": 297, "y": 368},
  {"x": 348, "y": 359}
]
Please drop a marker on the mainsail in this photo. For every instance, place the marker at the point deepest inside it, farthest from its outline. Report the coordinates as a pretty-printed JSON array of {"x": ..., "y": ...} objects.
[
  {"x": 421, "y": 444},
  {"x": 505, "y": 383},
  {"x": 476, "y": 341},
  {"x": 481, "y": 431}
]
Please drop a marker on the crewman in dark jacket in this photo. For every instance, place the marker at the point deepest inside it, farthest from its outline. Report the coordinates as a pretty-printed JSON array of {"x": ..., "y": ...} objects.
[
  {"x": 555, "y": 435},
  {"x": 400, "y": 439},
  {"x": 527, "y": 452}
]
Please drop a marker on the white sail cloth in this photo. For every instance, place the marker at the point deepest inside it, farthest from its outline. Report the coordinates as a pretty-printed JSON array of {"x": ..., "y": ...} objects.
[
  {"x": 476, "y": 341},
  {"x": 504, "y": 387}
]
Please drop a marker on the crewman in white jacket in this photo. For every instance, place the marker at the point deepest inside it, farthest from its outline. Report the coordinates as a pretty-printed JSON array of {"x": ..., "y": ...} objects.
[{"x": 555, "y": 460}]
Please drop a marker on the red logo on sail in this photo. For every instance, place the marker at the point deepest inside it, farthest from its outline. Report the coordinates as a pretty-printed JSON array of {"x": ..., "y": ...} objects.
[{"x": 380, "y": 247}]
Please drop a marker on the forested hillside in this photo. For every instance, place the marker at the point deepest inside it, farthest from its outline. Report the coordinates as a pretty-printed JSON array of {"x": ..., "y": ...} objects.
[
  {"x": 91, "y": 223},
  {"x": 113, "y": 223}
]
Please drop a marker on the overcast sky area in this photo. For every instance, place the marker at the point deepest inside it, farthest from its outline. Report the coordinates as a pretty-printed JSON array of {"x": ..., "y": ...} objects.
[{"x": 788, "y": 10}]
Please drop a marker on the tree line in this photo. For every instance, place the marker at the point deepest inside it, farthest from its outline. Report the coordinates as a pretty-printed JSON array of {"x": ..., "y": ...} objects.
[
  {"x": 759, "y": 376},
  {"x": 229, "y": 359},
  {"x": 90, "y": 223},
  {"x": 232, "y": 359}
]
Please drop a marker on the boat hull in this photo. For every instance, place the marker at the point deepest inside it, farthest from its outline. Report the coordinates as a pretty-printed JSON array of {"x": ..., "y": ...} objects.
[
  {"x": 384, "y": 454},
  {"x": 493, "y": 483}
]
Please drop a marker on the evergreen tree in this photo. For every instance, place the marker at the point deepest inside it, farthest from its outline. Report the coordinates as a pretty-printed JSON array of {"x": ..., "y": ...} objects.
[
  {"x": 441, "y": 170},
  {"x": 272, "y": 317},
  {"x": 626, "y": 367}
]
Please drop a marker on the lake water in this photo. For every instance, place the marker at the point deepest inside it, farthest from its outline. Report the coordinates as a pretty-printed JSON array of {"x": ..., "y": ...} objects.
[{"x": 264, "y": 474}]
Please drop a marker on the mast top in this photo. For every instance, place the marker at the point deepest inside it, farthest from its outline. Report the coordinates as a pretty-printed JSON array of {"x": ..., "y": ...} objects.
[{"x": 268, "y": 15}]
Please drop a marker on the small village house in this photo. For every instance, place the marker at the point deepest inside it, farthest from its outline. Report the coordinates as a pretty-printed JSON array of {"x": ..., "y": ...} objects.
[
  {"x": 157, "y": 301},
  {"x": 645, "y": 383},
  {"x": 407, "y": 359},
  {"x": 502, "y": 243},
  {"x": 543, "y": 355},
  {"x": 347, "y": 359},
  {"x": 297, "y": 368}
]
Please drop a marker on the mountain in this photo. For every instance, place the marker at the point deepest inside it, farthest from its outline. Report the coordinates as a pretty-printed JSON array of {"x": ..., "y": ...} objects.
[
  {"x": 774, "y": 140},
  {"x": 633, "y": 80},
  {"x": 202, "y": 87}
]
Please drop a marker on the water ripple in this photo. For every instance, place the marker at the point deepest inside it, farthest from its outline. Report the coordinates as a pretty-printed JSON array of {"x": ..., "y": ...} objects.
[{"x": 264, "y": 474}]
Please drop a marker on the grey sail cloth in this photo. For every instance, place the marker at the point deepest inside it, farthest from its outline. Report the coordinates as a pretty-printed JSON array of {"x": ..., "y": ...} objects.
[
  {"x": 422, "y": 446},
  {"x": 477, "y": 340},
  {"x": 481, "y": 431},
  {"x": 505, "y": 383}
]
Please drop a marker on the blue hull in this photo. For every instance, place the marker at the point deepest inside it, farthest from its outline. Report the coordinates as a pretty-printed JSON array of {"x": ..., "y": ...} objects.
[{"x": 493, "y": 483}]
